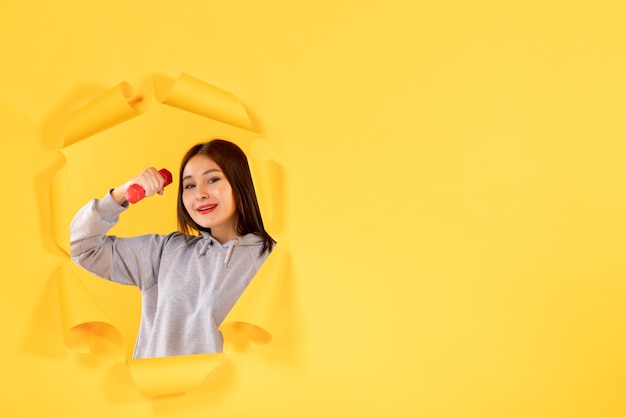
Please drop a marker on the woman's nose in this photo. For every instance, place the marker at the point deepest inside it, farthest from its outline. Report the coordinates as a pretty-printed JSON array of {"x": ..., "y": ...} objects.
[{"x": 201, "y": 192}]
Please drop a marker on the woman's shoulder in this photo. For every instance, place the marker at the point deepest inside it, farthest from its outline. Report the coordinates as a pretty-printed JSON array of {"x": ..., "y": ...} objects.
[
  {"x": 250, "y": 239},
  {"x": 178, "y": 238}
]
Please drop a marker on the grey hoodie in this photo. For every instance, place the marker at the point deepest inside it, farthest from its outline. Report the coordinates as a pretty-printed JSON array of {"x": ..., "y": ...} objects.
[{"x": 187, "y": 287}]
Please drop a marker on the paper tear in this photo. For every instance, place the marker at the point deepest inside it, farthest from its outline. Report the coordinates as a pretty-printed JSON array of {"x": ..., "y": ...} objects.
[
  {"x": 194, "y": 95},
  {"x": 173, "y": 374},
  {"x": 250, "y": 320},
  {"x": 81, "y": 315},
  {"x": 115, "y": 106},
  {"x": 59, "y": 210}
]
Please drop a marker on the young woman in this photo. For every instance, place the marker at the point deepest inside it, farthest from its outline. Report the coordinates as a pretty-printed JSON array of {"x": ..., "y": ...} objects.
[{"x": 189, "y": 279}]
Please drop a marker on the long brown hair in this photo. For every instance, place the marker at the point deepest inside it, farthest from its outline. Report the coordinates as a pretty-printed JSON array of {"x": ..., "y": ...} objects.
[{"x": 234, "y": 164}]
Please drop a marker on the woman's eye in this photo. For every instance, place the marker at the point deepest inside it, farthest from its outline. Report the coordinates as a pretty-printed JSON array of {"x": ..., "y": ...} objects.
[
  {"x": 213, "y": 180},
  {"x": 189, "y": 186}
]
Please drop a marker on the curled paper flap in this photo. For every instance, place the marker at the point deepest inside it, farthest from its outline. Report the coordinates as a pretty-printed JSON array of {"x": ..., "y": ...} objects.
[
  {"x": 59, "y": 211},
  {"x": 265, "y": 173},
  {"x": 254, "y": 314},
  {"x": 117, "y": 105},
  {"x": 82, "y": 318},
  {"x": 194, "y": 95},
  {"x": 172, "y": 374}
]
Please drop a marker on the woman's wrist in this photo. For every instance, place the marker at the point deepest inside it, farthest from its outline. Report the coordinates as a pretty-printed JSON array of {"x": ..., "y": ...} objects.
[{"x": 118, "y": 195}]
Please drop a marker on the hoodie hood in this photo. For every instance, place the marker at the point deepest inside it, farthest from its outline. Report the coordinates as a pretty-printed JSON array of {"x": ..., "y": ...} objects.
[{"x": 207, "y": 242}]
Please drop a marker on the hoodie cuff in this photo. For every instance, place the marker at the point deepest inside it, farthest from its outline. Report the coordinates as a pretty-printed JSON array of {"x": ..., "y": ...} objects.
[{"x": 108, "y": 207}]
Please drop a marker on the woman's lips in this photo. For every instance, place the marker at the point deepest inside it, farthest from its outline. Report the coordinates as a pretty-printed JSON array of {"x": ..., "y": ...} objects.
[{"x": 206, "y": 208}]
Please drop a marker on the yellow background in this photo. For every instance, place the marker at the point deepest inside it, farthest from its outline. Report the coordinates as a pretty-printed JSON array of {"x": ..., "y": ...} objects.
[{"x": 452, "y": 201}]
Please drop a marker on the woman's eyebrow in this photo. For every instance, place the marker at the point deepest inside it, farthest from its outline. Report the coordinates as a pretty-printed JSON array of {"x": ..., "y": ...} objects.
[{"x": 208, "y": 171}]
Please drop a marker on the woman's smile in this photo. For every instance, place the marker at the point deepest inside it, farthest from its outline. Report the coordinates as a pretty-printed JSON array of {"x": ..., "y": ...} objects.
[{"x": 206, "y": 208}]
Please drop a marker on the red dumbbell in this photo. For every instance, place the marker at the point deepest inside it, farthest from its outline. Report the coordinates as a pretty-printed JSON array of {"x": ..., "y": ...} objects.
[{"x": 136, "y": 192}]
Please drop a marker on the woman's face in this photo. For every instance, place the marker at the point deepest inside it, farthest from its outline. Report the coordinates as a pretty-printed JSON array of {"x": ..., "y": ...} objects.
[{"x": 208, "y": 197}]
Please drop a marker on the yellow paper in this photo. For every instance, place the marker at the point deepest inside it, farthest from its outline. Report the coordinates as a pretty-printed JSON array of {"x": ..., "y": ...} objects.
[
  {"x": 172, "y": 374},
  {"x": 59, "y": 211},
  {"x": 453, "y": 200},
  {"x": 194, "y": 95},
  {"x": 267, "y": 184},
  {"x": 81, "y": 316},
  {"x": 254, "y": 314},
  {"x": 117, "y": 105}
]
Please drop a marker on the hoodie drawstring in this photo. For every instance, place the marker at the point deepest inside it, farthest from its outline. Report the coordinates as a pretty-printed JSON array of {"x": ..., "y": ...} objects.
[
  {"x": 205, "y": 247},
  {"x": 234, "y": 243}
]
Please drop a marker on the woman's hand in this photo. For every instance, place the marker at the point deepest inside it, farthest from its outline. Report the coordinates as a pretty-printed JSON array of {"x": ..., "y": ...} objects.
[{"x": 150, "y": 180}]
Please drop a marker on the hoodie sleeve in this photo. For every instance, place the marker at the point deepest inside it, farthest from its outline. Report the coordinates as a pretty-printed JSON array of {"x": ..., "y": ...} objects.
[{"x": 131, "y": 261}]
